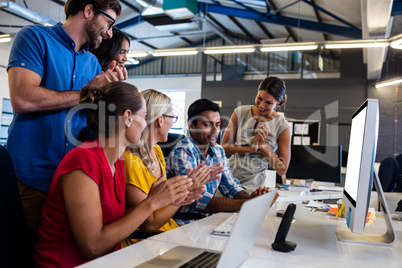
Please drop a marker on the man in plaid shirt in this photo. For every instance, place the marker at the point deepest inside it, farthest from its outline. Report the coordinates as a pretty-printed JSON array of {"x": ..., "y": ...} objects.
[{"x": 204, "y": 125}]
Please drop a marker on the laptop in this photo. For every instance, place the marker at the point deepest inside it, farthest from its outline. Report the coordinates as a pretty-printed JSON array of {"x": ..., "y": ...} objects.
[{"x": 241, "y": 240}]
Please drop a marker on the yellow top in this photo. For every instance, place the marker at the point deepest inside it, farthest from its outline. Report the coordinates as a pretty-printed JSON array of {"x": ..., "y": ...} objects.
[{"x": 137, "y": 174}]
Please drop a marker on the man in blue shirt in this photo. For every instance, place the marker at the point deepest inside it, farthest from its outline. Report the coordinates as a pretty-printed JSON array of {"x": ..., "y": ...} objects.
[
  {"x": 204, "y": 125},
  {"x": 47, "y": 68}
]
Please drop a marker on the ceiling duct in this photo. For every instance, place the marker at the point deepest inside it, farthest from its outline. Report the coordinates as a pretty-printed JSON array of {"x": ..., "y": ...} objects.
[
  {"x": 25, "y": 13},
  {"x": 147, "y": 3},
  {"x": 151, "y": 7}
]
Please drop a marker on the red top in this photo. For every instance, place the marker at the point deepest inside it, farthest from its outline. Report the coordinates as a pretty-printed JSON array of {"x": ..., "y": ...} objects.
[{"x": 56, "y": 246}]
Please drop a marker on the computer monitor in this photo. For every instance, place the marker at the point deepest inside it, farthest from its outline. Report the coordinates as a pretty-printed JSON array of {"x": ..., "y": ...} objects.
[
  {"x": 321, "y": 163},
  {"x": 360, "y": 174}
]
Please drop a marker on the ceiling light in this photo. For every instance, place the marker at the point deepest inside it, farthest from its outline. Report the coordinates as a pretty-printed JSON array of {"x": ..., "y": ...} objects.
[
  {"x": 174, "y": 52},
  {"x": 5, "y": 38},
  {"x": 396, "y": 42},
  {"x": 131, "y": 61},
  {"x": 289, "y": 47},
  {"x": 137, "y": 54},
  {"x": 229, "y": 49},
  {"x": 357, "y": 44},
  {"x": 388, "y": 82}
]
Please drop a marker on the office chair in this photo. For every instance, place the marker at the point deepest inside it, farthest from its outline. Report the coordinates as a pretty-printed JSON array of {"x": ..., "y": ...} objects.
[
  {"x": 399, "y": 179},
  {"x": 17, "y": 249},
  {"x": 388, "y": 173},
  {"x": 167, "y": 146}
]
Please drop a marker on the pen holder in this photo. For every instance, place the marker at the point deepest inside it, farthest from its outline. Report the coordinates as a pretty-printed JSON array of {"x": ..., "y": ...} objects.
[{"x": 339, "y": 203}]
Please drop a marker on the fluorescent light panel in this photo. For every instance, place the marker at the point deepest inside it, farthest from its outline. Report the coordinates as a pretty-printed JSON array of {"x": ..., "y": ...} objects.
[
  {"x": 131, "y": 61},
  {"x": 388, "y": 82},
  {"x": 357, "y": 44},
  {"x": 396, "y": 44},
  {"x": 5, "y": 38},
  {"x": 174, "y": 52},
  {"x": 229, "y": 49},
  {"x": 289, "y": 47},
  {"x": 137, "y": 54}
]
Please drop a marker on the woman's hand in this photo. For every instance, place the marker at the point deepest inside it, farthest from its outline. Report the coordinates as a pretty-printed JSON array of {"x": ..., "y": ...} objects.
[
  {"x": 261, "y": 136},
  {"x": 194, "y": 194},
  {"x": 165, "y": 192}
]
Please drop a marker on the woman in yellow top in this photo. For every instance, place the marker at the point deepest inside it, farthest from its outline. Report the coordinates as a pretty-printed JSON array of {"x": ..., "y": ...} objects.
[{"x": 145, "y": 163}]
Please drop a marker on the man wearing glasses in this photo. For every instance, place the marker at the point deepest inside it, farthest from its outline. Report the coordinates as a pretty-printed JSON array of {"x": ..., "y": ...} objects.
[
  {"x": 47, "y": 68},
  {"x": 201, "y": 146}
]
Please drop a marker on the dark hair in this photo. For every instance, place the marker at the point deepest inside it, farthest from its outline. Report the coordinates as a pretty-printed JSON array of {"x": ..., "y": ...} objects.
[
  {"x": 110, "y": 48},
  {"x": 276, "y": 87},
  {"x": 199, "y": 106},
  {"x": 117, "y": 97},
  {"x": 72, "y": 7}
]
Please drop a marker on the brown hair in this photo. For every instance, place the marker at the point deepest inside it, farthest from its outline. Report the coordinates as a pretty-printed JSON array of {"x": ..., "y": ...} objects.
[
  {"x": 110, "y": 48},
  {"x": 276, "y": 87},
  {"x": 72, "y": 7},
  {"x": 115, "y": 98}
]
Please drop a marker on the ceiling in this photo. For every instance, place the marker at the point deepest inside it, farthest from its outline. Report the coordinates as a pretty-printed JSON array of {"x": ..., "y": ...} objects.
[{"x": 235, "y": 22}]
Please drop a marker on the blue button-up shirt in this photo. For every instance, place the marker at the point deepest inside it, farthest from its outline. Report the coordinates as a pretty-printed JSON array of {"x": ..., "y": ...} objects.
[
  {"x": 38, "y": 140},
  {"x": 186, "y": 155}
]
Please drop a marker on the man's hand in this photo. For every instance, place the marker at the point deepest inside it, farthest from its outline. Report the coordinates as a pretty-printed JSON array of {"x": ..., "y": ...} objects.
[
  {"x": 114, "y": 73},
  {"x": 263, "y": 190}
]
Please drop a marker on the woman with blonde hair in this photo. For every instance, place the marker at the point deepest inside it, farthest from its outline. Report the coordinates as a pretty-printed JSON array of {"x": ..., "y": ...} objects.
[{"x": 145, "y": 164}]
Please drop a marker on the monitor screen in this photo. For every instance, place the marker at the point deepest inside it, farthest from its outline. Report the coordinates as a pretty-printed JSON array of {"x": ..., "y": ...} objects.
[
  {"x": 355, "y": 154},
  {"x": 360, "y": 164},
  {"x": 321, "y": 163}
]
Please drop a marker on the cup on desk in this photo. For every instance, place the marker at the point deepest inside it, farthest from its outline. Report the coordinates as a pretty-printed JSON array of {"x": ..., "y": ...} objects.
[
  {"x": 339, "y": 203},
  {"x": 270, "y": 179}
]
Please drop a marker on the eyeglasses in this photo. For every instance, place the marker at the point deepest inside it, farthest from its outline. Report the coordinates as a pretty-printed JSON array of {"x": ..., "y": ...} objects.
[
  {"x": 174, "y": 117},
  {"x": 108, "y": 16}
]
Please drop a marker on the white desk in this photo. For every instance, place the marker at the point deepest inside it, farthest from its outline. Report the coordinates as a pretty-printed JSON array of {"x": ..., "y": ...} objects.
[{"x": 317, "y": 245}]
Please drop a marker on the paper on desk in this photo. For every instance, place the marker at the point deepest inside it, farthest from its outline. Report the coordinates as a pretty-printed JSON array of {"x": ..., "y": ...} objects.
[{"x": 315, "y": 204}]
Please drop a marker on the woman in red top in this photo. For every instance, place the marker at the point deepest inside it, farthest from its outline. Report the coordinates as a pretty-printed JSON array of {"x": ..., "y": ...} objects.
[{"x": 84, "y": 216}]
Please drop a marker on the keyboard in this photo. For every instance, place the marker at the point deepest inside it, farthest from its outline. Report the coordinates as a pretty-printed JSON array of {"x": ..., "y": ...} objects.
[
  {"x": 205, "y": 259},
  {"x": 225, "y": 227}
]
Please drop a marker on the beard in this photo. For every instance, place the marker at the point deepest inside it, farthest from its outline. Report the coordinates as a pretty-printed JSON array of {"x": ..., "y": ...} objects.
[{"x": 93, "y": 31}]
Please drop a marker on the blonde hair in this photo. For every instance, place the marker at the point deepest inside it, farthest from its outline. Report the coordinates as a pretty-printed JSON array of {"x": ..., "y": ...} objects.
[{"x": 157, "y": 104}]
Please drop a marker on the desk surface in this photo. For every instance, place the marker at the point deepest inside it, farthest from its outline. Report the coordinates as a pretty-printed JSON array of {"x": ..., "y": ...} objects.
[
  {"x": 317, "y": 245},
  {"x": 294, "y": 196}
]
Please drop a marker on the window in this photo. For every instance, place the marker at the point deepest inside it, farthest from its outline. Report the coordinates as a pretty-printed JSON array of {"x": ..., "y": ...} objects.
[
  {"x": 6, "y": 118},
  {"x": 179, "y": 100}
]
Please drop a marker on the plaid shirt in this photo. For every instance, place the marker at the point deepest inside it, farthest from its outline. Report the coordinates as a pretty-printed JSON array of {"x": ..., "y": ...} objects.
[{"x": 185, "y": 155}]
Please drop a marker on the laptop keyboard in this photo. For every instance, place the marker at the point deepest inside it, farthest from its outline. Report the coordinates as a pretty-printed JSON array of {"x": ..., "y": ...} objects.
[
  {"x": 205, "y": 259},
  {"x": 225, "y": 227}
]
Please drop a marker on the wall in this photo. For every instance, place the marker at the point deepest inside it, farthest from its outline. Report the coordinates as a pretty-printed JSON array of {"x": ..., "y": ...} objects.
[{"x": 311, "y": 99}]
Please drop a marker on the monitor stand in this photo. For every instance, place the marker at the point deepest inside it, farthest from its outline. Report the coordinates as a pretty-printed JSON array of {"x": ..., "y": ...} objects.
[{"x": 386, "y": 239}]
